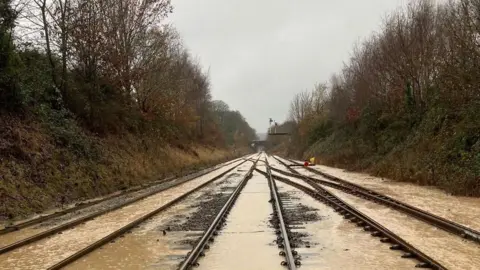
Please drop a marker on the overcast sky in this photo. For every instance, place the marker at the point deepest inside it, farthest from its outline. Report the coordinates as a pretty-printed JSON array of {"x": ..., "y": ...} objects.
[{"x": 261, "y": 52}]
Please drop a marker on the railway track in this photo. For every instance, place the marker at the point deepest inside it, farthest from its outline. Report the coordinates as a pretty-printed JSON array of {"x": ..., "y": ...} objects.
[
  {"x": 368, "y": 194},
  {"x": 133, "y": 224},
  {"x": 208, "y": 236},
  {"x": 117, "y": 232},
  {"x": 369, "y": 225},
  {"x": 311, "y": 186},
  {"x": 83, "y": 205},
  {"x": 75, "y": 222},
  {"x": 283, "y": 240}
]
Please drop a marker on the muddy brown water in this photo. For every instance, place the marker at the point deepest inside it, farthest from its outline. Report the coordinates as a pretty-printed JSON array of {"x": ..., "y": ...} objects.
[
  {"x": 247, "y": 240},
  {"x": 446, "y": 248},
  {"x": 46, "y": 252},
  {"x": 5, "y": 223},
  {"x": 334, "y": 243},
  {"x": 147, "y": 247},
  {"x": 111, "y": 196},
  {"x": 463, "y": 210},
  {"x": 51, "y": 223},
  {"x": 54, "y": 222}
]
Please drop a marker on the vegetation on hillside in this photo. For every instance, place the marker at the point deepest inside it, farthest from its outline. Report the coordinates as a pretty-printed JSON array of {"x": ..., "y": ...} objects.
[
  {"x": 96, "y": 96},
  {"x": 406, "y": 105},
  {"x": 235, "y": 129}
]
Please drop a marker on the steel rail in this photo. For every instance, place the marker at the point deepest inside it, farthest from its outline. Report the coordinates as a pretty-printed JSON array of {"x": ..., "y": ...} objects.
[
  {"x": 76, "y": 222},
  {"x": 133, "y": 224},
  {"x": 290, "y": 260},
  {"x": 359, "y": 191},
  {"x": 369, "y": 225},
  {"x": 197, "y": 250},
  {"x": 82, "y": 205}
]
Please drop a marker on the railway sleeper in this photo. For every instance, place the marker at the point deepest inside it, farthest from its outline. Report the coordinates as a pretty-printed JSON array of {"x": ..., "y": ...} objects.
[
  {"x": 345, "y": 209},
  {"x": 423, "y": 265},
  {"x": 359, "y": 191},
  {"x": 408, "y": 255},
  {"x": 397, "y": 247},
  {"x": 209, "y": 235}
]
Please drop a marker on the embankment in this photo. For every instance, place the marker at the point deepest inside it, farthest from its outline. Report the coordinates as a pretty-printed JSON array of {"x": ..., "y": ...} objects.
[{"x": 37, "y": 172}]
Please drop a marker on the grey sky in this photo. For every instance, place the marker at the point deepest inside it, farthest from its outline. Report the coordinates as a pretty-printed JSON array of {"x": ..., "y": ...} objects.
[{"x": 261, "y": 52}]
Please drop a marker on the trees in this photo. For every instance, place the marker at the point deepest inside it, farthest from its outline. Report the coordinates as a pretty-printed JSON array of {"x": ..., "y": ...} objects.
[
  {"x": 9, "y": 92},
  {"x": 234, "y": 128},
  {"x": 408, "y": 91},
  {"x": 113, "y": 66},
  {"x": 118, "y": 66}
]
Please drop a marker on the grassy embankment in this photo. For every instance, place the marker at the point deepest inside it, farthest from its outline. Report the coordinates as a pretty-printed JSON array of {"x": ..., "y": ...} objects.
[{"x": 37, "y": 174}]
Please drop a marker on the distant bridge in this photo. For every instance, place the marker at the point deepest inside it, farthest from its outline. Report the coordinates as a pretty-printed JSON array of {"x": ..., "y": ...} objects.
[
  {"x": 278, "y": 133},
  {"x": 258, "y": 144}
]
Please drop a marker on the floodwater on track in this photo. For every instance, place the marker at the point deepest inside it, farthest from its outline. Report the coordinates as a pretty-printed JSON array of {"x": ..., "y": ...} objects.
[
  {"x": 47, "y": 252},
  {"x": 247, "y": 240},
  {"x": 5, "y": 223},
  {"x": 335, "y": 243},
  {"x": 15, "y": 236},
  {"x": 463, "y": 210},
  {"x": 448, "y": 249},
  {"x": 147, "y": 247}
]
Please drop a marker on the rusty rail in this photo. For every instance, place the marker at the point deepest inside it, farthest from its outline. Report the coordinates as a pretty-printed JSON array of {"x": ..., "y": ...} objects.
[
  {"x": 197, "y": 251},
  {"x": 133, "y": 224},
  {"x": 76, "y": 222},
  {"x": 368, "y": 194},
  {"x": 285, "y": 237},
  {"x": 82, "y": 205},
  {"x": 369, "y": 225}
]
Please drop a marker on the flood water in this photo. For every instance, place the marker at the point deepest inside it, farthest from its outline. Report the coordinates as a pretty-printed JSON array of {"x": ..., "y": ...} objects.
[
  {"x": 147, "y": 247},
  {"x": 448, "y": 249},
  {"x": 15, "y": 236},
  {"x": 35, "y": 229},
  {"x": 46, "y": 252},
  {"x": 463, "y": 210},
  {"x": 338, "y": 244},
  {"x": 247, "y": 241}
]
